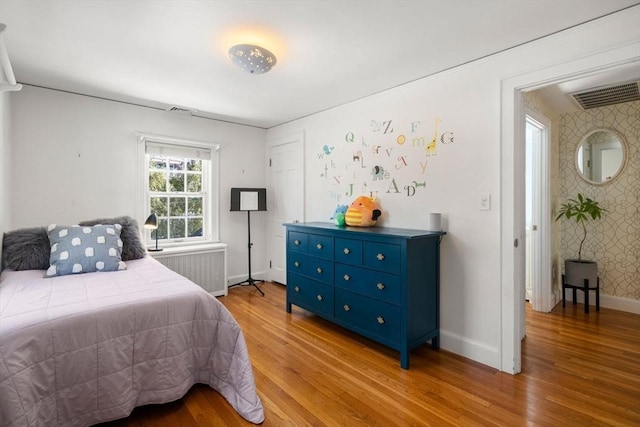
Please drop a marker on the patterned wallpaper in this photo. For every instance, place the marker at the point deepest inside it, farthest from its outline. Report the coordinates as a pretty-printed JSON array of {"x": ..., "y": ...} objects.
[{"x": 614, "y": 242}]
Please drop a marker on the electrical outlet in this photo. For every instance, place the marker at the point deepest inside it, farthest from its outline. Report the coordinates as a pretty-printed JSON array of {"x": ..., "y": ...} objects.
[{"x": 485, "y": 202}]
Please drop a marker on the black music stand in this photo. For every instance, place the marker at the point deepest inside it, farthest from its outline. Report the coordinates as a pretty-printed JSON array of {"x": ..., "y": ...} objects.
[{"x": 249, "y": 199}]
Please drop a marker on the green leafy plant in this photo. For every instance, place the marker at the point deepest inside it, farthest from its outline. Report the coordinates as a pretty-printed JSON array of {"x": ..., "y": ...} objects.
[{"x": 582, "y": 209}]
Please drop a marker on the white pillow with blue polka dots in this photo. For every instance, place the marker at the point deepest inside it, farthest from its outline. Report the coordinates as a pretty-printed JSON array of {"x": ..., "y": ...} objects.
[{"x": 82, "y": 249}]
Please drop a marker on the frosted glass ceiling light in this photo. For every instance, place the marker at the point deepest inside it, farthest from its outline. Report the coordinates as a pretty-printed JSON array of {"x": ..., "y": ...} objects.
[{"x": 251, "y": 58}]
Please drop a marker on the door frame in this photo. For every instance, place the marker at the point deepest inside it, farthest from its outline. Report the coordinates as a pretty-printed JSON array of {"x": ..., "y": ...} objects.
[{"x": 512, "y": 188}]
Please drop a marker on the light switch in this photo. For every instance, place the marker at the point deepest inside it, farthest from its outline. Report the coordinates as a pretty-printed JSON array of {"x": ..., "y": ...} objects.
[{"x": 485, "y": 201}]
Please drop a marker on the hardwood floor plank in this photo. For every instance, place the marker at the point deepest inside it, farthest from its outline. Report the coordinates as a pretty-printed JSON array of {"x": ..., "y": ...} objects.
[{"x": 578, "y": 370}]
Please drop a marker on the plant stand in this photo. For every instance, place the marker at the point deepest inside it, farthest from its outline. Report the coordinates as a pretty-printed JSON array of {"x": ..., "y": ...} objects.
[{"x": 585, "y": 288}]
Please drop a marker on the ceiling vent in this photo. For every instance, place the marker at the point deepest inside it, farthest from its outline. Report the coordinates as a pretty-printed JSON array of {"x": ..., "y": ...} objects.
[
  {"x": 181, "y": 110},
  {"x": 607, "y": 95}
]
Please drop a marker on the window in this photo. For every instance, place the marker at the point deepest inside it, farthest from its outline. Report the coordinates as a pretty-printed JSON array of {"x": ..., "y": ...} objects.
[{"x": 180, "y": 186}]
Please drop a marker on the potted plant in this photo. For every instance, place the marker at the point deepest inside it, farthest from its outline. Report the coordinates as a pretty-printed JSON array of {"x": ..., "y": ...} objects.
[{"x": 581, "y": 210}]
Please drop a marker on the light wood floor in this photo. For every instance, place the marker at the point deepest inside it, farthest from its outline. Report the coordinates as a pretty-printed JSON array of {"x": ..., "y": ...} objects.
[{"x": 578, "y": 370}]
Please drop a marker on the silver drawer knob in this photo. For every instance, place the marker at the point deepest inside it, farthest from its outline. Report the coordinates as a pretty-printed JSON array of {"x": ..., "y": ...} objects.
[
  {"x": 380, "y": 286},
  {"x": 347, "y": 277},
  {"x": 296, "y": 288},
  {"x": 319, "y": 297},
  {"x": 319, "y": 246},
  {"x": 346, "y": 307},
  {"x": 296, "y": 242},
  {"x": 380, "y": 320},
  {"x": 319, "y": 270},
  {"x": 346, "y": 251},
  {"x": 380, "y": 257},
  {"x": 296, "y": 263}
]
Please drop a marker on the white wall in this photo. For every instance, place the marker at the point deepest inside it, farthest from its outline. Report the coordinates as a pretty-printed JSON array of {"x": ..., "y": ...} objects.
[
  {"x": 468, "y": 101},
  {"x": 5, "y": 153},
  {"x": 74, "y": 158}
]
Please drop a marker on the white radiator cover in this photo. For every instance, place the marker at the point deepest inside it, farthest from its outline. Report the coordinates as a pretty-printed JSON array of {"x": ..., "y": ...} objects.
[{"x": 204, "y": 265}]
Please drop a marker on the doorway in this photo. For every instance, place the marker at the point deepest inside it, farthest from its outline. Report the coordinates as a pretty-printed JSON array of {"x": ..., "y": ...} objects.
[
  {"x": 538, "y": 277},
  {"x": 512, "y": 184}
]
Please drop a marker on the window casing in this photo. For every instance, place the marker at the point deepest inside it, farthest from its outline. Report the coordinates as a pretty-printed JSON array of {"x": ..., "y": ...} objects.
[{"x": 180, "y": 183}]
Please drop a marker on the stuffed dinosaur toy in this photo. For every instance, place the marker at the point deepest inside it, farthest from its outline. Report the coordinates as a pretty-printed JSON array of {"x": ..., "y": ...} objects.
[
  {"x": 363, "y": 212},
  {"x": 338, "y": 215}
]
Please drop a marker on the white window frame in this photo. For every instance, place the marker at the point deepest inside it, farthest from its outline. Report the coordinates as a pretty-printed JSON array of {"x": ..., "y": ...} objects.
[{"x": 211, "y": 218}]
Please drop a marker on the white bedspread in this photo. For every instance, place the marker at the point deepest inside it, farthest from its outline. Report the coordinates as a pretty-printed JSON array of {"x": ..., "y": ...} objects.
[{"x": 82, "y": 349}]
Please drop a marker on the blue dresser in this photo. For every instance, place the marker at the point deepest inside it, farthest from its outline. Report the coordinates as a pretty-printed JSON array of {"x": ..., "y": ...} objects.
[{"x": 380, "y": 282}]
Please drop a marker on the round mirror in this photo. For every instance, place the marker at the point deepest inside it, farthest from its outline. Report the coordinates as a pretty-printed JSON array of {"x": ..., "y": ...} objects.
[{"x": 601, "y": 156}]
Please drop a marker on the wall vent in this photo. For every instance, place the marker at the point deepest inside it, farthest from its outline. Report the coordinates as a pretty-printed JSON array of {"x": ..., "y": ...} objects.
[
  {"x": 607, "y": 95},
  {"x": 181, "y": 110}
]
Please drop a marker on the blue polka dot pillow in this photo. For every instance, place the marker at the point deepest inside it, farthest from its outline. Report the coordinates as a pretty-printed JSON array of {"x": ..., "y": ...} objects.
[{"x": 83, "y": 249}]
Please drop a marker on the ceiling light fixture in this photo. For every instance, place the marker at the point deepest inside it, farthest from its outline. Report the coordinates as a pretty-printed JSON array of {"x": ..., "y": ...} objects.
[{"x": 251, "y": 58}]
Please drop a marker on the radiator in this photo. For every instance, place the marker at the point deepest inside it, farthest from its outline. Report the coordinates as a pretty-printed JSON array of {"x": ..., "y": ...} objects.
[{"x": 204, "y": 265}]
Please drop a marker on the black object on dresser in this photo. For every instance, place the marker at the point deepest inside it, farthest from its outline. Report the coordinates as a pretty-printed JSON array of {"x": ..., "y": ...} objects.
[{"x": 380, "y": 282}]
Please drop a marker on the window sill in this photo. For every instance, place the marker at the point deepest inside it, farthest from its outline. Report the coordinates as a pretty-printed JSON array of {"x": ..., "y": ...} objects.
[{"x": 187, "y": 249}]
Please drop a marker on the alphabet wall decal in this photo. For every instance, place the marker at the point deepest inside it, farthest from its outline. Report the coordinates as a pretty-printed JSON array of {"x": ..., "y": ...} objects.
[
  {"x": 431, "y": 148},
  {"x": 377, "y": 172},
  {"x": 399, "y": 151}
]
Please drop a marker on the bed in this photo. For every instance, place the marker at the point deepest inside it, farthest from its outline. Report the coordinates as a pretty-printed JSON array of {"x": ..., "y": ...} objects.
[{"x": 80, "y": 349}]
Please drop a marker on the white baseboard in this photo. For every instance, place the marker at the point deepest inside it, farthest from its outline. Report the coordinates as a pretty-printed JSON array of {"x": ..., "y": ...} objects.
[
  {"x": 490, "y": 356},
  {"x": 470, "y": 349},
  {"x": 606, "y": 301}
]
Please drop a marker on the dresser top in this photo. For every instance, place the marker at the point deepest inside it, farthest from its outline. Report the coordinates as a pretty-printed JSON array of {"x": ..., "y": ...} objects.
[{"x": 382, "y": 231}]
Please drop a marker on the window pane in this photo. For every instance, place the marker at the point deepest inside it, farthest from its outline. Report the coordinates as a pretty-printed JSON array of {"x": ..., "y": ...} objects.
[
  {"x": 194, "y": 165},
  {"x": 195, "y": 227},
  {"x": 176, "y": 164},
  {"x": 194, "y": 206},
  {"x": 177, "y": 229},
  {"x": 194, "y": 183},
  {"x": 159, "y": 206},
  {"x": 157, "y": 163},
  {"x": 176, "y": 182},
  {"x": 157, "y": 182},
  {"x": 176, "y": 206},
  {"x": 161, "y": 230}
]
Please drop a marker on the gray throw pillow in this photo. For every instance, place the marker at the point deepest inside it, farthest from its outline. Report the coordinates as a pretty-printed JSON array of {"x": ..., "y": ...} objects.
[
  {"x": 26, "y": 249},
  {"x": 132, "y": 243}
]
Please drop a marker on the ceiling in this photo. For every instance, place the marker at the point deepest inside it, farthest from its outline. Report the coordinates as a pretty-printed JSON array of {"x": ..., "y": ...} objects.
[{"x": 174, "y": 53}]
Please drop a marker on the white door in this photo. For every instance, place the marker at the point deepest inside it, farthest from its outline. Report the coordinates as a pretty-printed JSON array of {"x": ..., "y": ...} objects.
[
  {"x": 286, "y": 198},
  {"x": 533, "y": 134},
  {"x": 539, "y": 283}
]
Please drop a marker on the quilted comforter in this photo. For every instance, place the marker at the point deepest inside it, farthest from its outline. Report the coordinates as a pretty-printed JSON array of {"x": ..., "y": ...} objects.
[{"x": 82, "y": 349}]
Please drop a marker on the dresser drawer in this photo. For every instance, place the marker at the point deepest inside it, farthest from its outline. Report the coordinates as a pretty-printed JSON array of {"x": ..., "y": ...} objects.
[
  {"x": 348, "y": 251},
  {"x": 310, "y": 294},
  {"x": 382, "y": 256},
  {"x": 312, "y": 267},
  {"x": 376, "y": 318},
  {"x": 378, "y": 285},
  {"x": 297, "y": 242},
  {"x": 320, "y": 246}
]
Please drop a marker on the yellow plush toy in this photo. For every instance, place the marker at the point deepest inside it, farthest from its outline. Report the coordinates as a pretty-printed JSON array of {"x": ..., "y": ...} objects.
[{"x": 363, "y": 212}]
